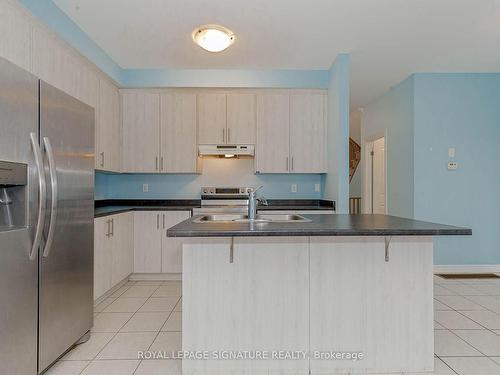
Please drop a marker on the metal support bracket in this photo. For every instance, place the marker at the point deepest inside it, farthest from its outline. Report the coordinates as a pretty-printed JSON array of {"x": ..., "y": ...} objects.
[
  {"x": 231, "y": 251},
  {"x": 387, "y": 243}
]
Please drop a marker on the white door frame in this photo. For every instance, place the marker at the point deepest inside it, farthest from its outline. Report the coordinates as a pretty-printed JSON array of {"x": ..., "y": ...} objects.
[{"x": 366, "y": 185}]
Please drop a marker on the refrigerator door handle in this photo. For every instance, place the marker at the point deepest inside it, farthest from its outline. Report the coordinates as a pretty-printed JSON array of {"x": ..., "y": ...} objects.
[
  {"x": 42, "y": 196},
  {"x": 53, "y": 206}
]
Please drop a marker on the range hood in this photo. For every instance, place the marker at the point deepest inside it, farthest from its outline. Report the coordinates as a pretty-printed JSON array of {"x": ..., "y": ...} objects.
[{"x": 226, "y": 150}]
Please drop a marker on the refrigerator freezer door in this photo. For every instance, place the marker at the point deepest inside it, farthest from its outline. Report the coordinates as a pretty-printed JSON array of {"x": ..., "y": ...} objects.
[
  {"x": 18, "y": 274},
  {"x": 19, "y": 299},
  {"x": 66, "y": 260}
]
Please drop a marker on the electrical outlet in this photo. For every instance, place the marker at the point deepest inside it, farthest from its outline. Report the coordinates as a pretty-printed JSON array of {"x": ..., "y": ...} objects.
[
  {"x": 145, "y": 188},
  {"x": 317, "y": 188},
  {"x": 452, "y": 165},
  {"x": 294, "y": 188}
]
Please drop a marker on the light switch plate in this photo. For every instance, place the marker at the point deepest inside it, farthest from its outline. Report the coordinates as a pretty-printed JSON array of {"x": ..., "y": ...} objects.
[
  {"x": 452, "y": 165},
  {"x": 317, "y": 187},
  {"x": 294, "y": 188},
  {"x": 145, "y": 188},
  {"x": 451, "y": 152}
]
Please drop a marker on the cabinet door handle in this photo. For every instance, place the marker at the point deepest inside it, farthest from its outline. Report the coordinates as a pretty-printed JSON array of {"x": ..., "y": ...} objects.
[
  {"x": 229, "y": 134},
  {"x": 156, "y": 163},
  {"x": 112, "y": 228},
  {"x": 157, "y": 221},
  {"x": 163, "y": 221},
  {"x": 108, "y": 231},
  {"x": 287, "y": 163},
  {"x": 223, "y": 135},
  {"x": 102, "y": 159},
  {"x": 161, "y": 163},
  {"x": 292, "y": 163}
]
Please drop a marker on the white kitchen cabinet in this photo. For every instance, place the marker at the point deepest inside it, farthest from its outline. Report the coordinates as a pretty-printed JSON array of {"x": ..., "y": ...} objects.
[
  {"x": 241, "y": 118},
  {"x": 171, "y": 247},
  {"x": 307, "y": 133},
  {"x": 260, "y": 301},
  {"x": 113, "y": 251},
  {"x": 154, "y": 252},
  {"x": 15, "y": 31},
  {"x": 211, "y": 118},
  {"x": 140, "y": 131},
  {"x": 291, "y": 133},
  {"x": 102, "y": 256},
  {"x": 147, "y": 241},
  {"x": 122, "y": 250},
  {"x": 107, "y": 155},
  {"x": 178, "y": 133},
  {"x": 57, "y": 64},
  {"x": 273, "y": 124}
]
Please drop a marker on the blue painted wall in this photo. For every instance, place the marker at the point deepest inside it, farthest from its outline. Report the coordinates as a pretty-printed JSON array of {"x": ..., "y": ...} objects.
[
  {"x": 216, "y": 172},
  {"x": 460, "y": 111},
  {"x": 224, "y": 78},
  {"x": 391, "y": 116},
  {"x": 424, "y": 116},
  {"x": 337, "y": 180}
]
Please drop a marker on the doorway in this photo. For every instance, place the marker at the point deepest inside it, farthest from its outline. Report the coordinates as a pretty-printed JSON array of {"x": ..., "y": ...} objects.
[{"x": 375, "y": 177}]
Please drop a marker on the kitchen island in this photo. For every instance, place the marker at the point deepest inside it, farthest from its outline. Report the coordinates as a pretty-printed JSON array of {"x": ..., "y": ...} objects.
[{"x": 331, "y": 294}]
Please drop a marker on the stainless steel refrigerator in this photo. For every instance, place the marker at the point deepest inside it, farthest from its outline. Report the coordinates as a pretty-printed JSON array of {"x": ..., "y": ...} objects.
[{"x": 46, "y": 221}]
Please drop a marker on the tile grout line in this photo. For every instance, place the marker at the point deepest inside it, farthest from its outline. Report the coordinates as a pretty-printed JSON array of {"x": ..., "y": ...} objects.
[{"x": 116, "y": 333}]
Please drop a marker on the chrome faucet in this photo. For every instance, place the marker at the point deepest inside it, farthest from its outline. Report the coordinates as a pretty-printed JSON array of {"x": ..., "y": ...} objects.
[{"x": 253, "y": 202}]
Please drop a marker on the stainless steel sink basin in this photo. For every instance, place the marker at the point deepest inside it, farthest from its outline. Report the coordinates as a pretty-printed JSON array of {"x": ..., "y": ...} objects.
[{"x": 260, "y": 219}]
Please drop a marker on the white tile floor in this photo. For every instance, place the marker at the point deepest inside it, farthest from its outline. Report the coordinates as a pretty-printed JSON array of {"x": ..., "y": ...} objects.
[{"x": 147, "y": 315}]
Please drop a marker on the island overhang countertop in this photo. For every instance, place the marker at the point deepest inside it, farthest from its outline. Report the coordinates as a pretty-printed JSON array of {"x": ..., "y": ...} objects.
[{"x": 319, "y": 225}]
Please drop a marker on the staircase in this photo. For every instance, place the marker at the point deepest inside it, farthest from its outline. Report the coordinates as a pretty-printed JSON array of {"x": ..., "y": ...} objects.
[{"x": 354, "y": 157}]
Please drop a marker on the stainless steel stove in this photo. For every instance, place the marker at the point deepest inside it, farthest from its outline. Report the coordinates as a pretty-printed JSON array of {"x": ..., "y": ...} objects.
[{"x": 223, "y": 200}]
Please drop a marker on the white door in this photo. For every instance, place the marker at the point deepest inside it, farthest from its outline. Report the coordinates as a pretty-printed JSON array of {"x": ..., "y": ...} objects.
[
  {"x": 273, "y": 125},
  {"x": 241, "y": 117},
  {"x": 147, "y": 241},
  {"x": 212, "y": 118},
  {"x": 178, "y": 133},
  {"x": 141, "y": 131},
  {"x": 171, "y": 260},
  {"x": 378, "y": 174}
]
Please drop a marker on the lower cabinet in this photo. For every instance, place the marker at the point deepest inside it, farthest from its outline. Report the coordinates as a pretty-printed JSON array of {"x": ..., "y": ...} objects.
[
  {"x": 113, "y": 251},
  {"x": 154, "y": 252}
]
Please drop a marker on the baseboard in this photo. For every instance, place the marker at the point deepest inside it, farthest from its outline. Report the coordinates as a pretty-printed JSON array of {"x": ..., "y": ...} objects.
[
  {"x": 156, "y": 276},
  {"x": 111, "y": 291},
  {"x": 479, "y": 268}
]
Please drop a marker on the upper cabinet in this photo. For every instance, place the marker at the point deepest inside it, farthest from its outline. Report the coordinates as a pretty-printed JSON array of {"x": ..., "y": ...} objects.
[
  {"x": 107, "y": 128},
  {"x": 178, "y": 133},
  {"x": 226, "y": 118},
  {"x": 15, "y": 31},
  {"x": 212, "y": 118},
  {"x": 291, "y": 133},
  {"x": 140, "y": 131},
  {"x": 241, "y": 118},
  {"x": 308, "y": 133},
  {"x": 273, "y": 130}
]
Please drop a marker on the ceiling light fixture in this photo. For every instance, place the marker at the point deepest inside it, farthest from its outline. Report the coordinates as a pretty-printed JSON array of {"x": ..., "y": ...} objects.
[{"x": 213, "y": 38}]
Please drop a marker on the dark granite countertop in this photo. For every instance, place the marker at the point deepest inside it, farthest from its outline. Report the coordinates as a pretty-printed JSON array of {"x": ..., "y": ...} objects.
[
  {"x": 320, "y": 225},
  {"x": 116, "y": 206}
]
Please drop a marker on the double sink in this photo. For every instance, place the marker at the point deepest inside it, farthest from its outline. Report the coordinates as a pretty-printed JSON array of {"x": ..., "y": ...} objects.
[{"x": 259, "y": 219}]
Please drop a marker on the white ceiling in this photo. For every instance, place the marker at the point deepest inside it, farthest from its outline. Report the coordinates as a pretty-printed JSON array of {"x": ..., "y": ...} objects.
[{"x": 387, "y": 39}]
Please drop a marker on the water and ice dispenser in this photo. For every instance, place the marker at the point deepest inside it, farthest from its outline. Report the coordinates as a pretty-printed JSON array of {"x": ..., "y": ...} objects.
[{"x": 13, "y": 194}]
